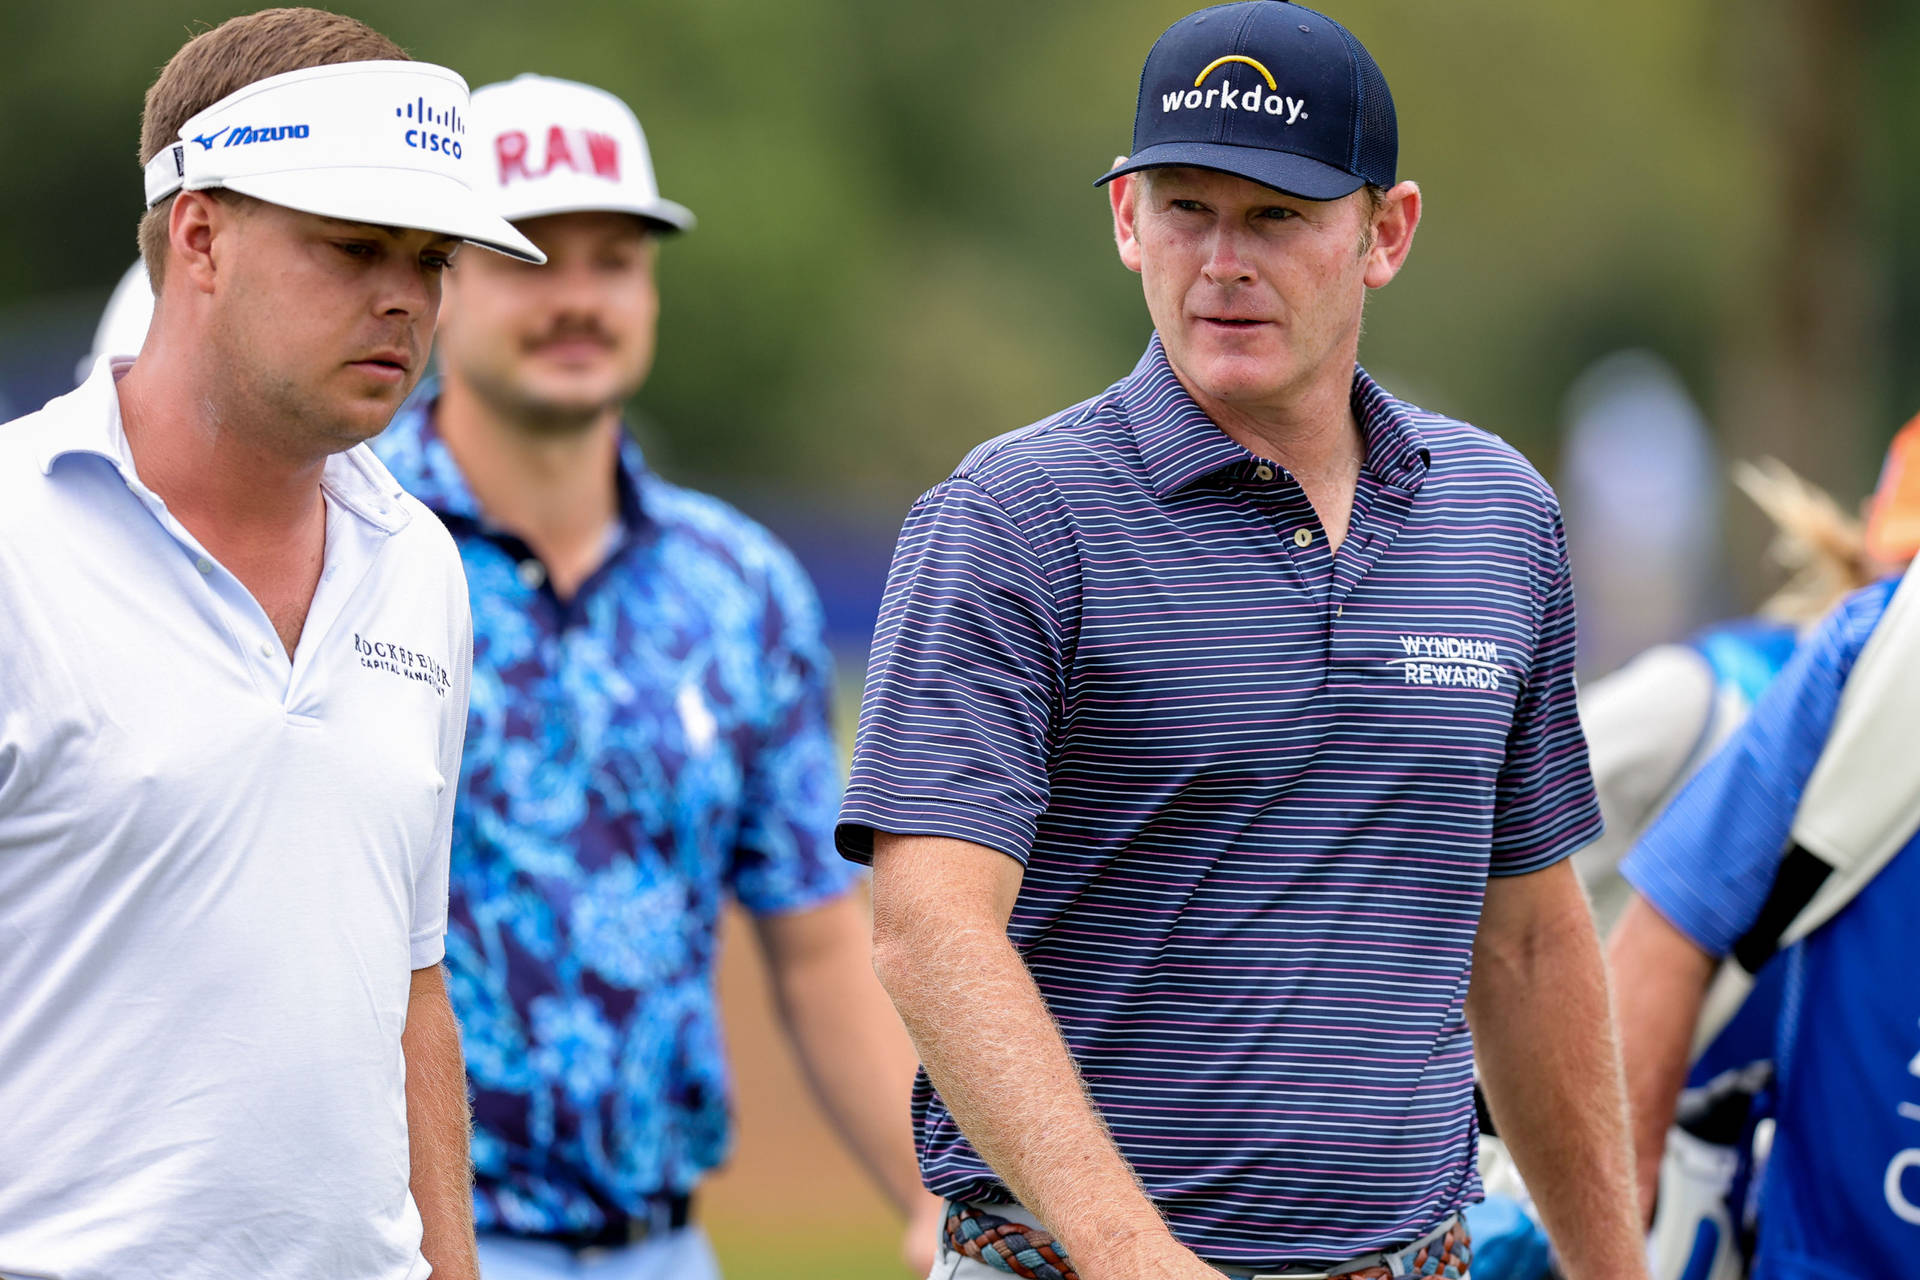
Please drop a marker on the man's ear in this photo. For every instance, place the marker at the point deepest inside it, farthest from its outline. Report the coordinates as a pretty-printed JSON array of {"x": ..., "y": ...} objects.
[
  {"x": 196, "y": 221},
  {"x": 1393, "y": 227},
  {"x": 1122, "y": 194}
]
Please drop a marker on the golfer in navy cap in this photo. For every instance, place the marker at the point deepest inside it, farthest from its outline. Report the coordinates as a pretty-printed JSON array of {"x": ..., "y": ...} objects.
[{"x": 1219, "y": 763}]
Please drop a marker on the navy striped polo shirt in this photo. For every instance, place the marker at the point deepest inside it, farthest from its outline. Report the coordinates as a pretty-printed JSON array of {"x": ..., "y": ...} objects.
[{"x": 1257, "y": 788}]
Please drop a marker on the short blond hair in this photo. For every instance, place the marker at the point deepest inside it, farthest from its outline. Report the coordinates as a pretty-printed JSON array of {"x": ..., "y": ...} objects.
[{"x": 227, "y": 59}]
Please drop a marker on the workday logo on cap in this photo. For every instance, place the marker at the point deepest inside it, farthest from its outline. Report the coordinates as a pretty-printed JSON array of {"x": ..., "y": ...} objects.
[
  {"x": 1270, "y": 91},
  {"x": 1274, "y": 103}
]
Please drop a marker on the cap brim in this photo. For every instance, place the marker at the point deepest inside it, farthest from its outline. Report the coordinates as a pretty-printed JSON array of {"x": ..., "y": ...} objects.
[
  {"x": 391, "y": 198},
  {"x": 1285, "y": 172},
  {"x": 664, "y": 214}
]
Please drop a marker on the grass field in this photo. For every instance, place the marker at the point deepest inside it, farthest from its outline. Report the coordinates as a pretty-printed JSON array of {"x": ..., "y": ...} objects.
[{"x": 753, "y": 1253}]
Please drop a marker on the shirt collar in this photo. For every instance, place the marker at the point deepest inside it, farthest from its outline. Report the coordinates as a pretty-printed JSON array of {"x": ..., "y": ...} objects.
[
  {"x": 1179, "y": 443},
  {"x": 424, "y": 466},
  {"x": 87, "y": 421}
]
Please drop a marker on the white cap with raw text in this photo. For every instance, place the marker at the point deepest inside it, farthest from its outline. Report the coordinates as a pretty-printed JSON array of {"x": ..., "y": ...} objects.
[{"x": 558, "y": 146}]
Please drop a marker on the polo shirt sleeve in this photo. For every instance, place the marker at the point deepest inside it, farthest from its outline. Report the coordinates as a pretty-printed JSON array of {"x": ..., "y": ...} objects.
[
  {"x": 1708, "y": 863},
  {"x": 967, "y": 670},
  {"x": 429, "y": 933},
  {"x": 783, "y": 857},
  {"x": 1544, "y": 803}
]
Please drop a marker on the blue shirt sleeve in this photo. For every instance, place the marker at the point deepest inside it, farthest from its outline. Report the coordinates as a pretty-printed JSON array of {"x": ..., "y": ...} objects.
[
  {"x": 783, "y": 858},
  {"x": 1545, "y": 806},
  {"x": 1708, "y": 863},
  {"x": 967, "y": 671}
]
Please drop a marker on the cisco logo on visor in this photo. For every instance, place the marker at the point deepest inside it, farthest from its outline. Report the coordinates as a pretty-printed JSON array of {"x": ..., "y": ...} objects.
[
  {"x": 433, "y": 130},
  {"x": 1259, "y": 98}
]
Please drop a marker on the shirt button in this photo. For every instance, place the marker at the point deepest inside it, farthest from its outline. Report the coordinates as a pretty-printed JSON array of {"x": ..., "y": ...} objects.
[
  {"x": 203, "y": 564},
  {"x": 532, "y": 574},
  {"x": 1302, "y": 537},
  {"x": 1264, "y": 471},
  {"x": 266, "y": 649}
]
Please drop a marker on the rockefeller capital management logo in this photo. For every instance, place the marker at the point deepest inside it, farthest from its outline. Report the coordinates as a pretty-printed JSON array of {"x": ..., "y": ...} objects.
[{"x": 409, "y": 664}]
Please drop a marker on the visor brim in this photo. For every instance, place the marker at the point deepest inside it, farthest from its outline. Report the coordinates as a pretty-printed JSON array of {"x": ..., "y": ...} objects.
[
  {"x": 1285, "y": 172},
  {"x": 386, "y": 197}
]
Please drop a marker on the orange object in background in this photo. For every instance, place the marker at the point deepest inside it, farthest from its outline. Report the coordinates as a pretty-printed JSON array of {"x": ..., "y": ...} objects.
[{"x": 1893, "y": 513}]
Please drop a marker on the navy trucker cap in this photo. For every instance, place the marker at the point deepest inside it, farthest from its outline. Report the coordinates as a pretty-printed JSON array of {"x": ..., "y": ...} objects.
[{"x": 1270, "y": 91}]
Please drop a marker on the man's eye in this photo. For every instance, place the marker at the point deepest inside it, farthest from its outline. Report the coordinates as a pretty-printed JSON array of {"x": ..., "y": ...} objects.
[
  {"x": 1189, "y": 206},
  {"x": 437, "y": 261},
  {"x": 1279, "y": 214},
  {"x": 353, "y": 249}
]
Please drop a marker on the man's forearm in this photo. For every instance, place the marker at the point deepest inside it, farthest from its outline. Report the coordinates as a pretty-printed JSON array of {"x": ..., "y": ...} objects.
[
  {"x": 991, "y": 1047},
  {"x": 1000, "y": 1064},
  {"x": 1544, "y": 1042},
  {"x": 1660, "y": 978},
  {"x": 437, "y": 1130}
]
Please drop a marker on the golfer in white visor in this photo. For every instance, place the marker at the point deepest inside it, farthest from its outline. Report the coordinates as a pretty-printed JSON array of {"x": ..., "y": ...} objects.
[{"x": 233, "y": 687}]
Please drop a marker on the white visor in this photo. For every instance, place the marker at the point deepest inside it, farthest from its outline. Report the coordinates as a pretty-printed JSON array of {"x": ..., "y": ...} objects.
[{"x": 375, "y": 142}]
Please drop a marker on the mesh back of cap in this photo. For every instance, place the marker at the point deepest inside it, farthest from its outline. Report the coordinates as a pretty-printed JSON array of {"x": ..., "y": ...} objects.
[{"x": 1376, "y": 144}]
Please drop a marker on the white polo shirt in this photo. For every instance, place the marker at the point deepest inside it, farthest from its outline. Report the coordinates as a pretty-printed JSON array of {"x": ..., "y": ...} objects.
[{"x": 218, "y": 869}]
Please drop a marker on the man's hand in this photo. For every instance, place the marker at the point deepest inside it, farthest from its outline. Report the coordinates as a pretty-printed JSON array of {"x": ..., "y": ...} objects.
[{"x": 1164, "y": 1259}]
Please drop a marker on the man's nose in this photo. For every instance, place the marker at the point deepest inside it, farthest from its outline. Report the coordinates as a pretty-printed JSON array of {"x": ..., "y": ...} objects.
[
  {"x": 411, "y": 289},
  {"x": 1225, "y": 263}
]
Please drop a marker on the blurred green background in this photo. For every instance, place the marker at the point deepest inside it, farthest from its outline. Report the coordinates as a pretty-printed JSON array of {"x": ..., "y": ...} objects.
[{"x": 900, "y": 254}]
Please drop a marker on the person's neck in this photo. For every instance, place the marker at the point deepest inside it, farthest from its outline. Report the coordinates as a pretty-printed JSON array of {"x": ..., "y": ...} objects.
[
  {"x": 222, "y": 471},
  {"x": 551, "y": 485},
  {"x": 1313, "y": 432}
]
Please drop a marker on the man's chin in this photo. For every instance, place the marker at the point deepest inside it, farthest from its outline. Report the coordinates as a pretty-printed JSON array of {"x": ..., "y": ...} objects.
[{"x": 1235, "y": 377}]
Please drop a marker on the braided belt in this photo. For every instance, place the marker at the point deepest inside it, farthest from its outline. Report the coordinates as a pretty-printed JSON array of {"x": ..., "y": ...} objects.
[
  {"x": 1004, "y": 1245},
  {"x": 1018, "y": 1249},
  {"x": 1447, "y": 1258}
]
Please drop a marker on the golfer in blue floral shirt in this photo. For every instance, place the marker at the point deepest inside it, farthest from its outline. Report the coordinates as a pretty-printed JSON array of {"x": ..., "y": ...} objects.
[{"x": 648, "y": 736}]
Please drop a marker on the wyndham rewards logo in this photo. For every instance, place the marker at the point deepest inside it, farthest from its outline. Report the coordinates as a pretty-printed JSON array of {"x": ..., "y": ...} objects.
[
  {"x": 1455, "y": 662},
  {"x": 1269, "y": 101},
  {"x": 240, "y": 135}
]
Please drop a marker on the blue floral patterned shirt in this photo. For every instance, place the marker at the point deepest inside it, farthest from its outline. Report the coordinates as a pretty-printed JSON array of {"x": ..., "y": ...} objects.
[{"x": 633, "y": 755}]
